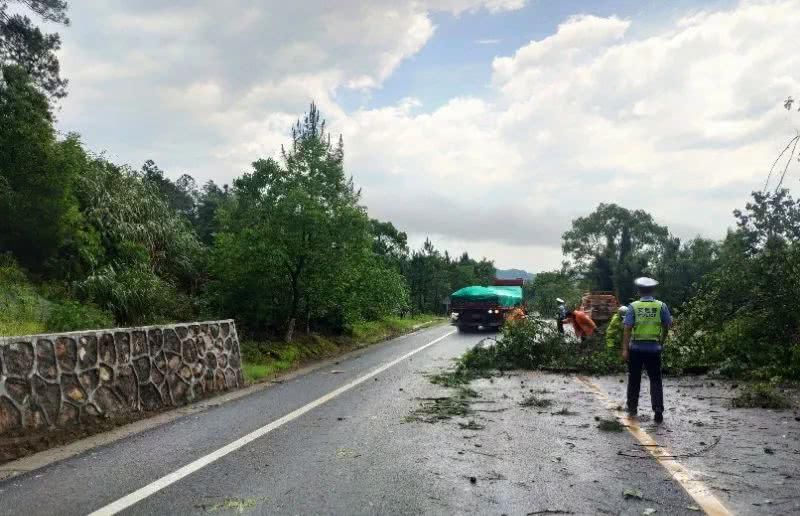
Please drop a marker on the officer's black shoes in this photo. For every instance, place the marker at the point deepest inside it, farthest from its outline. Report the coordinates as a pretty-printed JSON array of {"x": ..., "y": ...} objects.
[
  {"x": 659, "y": 417},
  {"x": 632, "y": 412}
]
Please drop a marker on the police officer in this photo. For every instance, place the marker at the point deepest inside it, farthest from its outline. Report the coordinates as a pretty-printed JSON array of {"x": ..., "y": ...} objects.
[
  {"x": 561, "y": 315},
  {"x": 646, "y": 326}
]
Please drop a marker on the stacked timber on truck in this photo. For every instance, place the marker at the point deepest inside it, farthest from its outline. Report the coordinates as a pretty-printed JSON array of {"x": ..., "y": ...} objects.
[{"x": 599, "y": 305}]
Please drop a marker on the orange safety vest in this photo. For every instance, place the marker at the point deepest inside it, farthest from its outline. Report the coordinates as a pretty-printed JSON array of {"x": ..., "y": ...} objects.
[
  {"x": 516, "y": 314},
  {"x": 583, "y": 324}
]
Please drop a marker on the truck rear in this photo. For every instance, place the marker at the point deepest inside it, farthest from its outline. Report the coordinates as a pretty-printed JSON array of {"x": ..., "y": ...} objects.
[{"x": 485, "y": 307}]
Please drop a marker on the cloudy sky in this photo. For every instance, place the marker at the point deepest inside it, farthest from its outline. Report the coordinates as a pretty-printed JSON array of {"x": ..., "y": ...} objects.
[{"x": 486, "y": 124}]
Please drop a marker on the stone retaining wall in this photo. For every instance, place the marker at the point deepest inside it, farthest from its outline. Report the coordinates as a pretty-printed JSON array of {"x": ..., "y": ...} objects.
[{"x": 58, "y": 380}]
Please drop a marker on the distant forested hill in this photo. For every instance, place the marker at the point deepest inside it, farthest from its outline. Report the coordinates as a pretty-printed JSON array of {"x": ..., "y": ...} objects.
[{"x": 514, "y": 274}]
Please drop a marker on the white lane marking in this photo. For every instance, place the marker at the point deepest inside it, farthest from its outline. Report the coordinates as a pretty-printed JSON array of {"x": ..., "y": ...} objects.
[
  {"x": 154, "y": 487},
  {"x": 710, "y": 504}
]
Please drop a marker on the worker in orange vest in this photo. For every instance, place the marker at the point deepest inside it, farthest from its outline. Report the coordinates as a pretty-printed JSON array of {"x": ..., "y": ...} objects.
[{"x": 583, "y": 324}]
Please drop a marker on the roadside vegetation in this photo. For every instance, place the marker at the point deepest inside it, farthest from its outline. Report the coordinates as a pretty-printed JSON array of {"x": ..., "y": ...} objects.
[
  {"x": 287, "y": 249},
  {"x": 733, "y": 301},
  {"x": 266, "y": 359}
]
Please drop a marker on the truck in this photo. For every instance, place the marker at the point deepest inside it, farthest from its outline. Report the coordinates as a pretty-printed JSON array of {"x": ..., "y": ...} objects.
[
  {"x": 477, "y": 306},
  {"x": 599, "y": 305}
]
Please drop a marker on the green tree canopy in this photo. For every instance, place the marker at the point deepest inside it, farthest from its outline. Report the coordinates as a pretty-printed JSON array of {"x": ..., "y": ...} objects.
[
  {"x": 388, "y": 242},
  {"x": 546, "y": 287},
  {"x": 744, "y": 314},
  {"x": 613, "y": 245},
  {"x": 37, "y": 174},
  {"x": 25, "y": 45},
  {"x": 294, "y": 243}
]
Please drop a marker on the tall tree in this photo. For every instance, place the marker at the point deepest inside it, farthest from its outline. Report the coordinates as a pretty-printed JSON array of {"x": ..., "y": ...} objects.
[
  {"x": 681, "y": 267},
  {"x": 25, "y": 45},
  {"x": 744, "y": 314},
  {"x": 38, "y": 209},
  {"x": 294, "y": 235},
  {"x": 546, "y": 287},
  {"x": 388, "y": 242},
  {"x": 181, "y": 195},
  {"x": 210, "y": 198},
  {"x": 612, "y": 245}
]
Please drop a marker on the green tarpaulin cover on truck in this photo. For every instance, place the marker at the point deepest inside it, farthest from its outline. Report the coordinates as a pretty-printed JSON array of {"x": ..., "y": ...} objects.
[{"x": 503, "y": 296}]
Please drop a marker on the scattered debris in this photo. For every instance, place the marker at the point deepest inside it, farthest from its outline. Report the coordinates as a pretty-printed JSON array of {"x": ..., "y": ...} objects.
[
  {"x": 494, "y": 475},
  {"x": 640, "y": 454},
  {"x": 693, "y": 508},
  {"x": 466, "y": 392},
  {"x": 760, "y": 395},
  {"x": 648, "y": 511},
  {"x": 609, "y": 425},
  {"x": 337, "y": 371},
  {"x": 533, "y": 401},
  {"x": 471, "y": 425},
  {"x": 473, "y": 480},
  {"x": 239, "y": 505},
  {"x": 565, "y": 411},
  {"x": 632, "y": 493},
  {"x": 485, "y": 454},
  {"x": 550, "y": 511},
  {"x": 769, "y": 451},
  {"x": 347, "y": 453},
  {"x": 433, "y": 410}
]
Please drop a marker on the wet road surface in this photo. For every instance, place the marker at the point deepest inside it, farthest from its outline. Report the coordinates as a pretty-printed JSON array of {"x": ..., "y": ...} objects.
[{"x": 359, "y": 452}]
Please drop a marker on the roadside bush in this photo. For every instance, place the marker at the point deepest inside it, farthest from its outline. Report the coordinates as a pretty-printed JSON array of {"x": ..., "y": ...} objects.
[
  {"x": 532, "y": 344},
  {"x": 25, "y": 309},
  {"x": 22, "y": 309},
  {"x": 134, "y": 294},
  {"x": 71, "y": 315},
  {"x": 744, "y": 321},
  {"x": 529, "y": 344}
]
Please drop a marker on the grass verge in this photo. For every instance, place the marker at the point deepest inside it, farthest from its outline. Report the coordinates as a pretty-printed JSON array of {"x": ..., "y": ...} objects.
[
  {"x": 26, "y": 309},
  {"x": 370, "y": 332},
  {"x": 262, "y": 360}
]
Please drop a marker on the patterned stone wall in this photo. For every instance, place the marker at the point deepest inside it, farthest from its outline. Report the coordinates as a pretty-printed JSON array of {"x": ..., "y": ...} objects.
[{"x": 58, "y": 380}]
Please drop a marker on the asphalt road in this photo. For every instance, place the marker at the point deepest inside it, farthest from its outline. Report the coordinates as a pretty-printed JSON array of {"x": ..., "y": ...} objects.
[{"x": 358, "y": 452}]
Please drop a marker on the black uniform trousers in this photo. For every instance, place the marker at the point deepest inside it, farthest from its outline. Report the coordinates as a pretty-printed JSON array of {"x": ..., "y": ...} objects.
[{"x": 651, "y": 362}]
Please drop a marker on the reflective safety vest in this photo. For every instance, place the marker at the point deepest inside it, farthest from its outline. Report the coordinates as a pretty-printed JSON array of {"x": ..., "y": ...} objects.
[{"x": 647, "y": 320}]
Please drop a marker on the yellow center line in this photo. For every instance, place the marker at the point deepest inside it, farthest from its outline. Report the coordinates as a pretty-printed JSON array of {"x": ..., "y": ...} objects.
[{"x": 701, "y": 494}]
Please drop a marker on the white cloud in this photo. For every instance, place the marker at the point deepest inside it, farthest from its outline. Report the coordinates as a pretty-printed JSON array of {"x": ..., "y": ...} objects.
[
  {"x": 460, "y": 6},
  {"x": 682, "y": 120}
]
